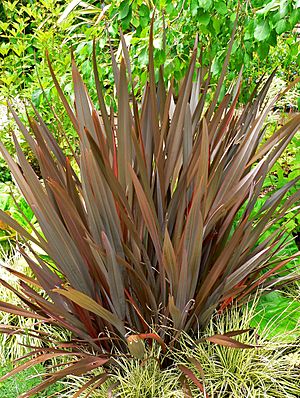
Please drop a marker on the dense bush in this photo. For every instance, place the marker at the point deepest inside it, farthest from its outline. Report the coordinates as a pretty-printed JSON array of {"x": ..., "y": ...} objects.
[
  {"x": 26, "y": 31},
  {"x": 265, "y": 39},
  {"x": 261, "y": 25},
  {"x": 260, "y": 45}
]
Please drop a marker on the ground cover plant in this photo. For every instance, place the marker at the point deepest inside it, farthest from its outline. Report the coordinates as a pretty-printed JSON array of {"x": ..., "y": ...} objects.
[
  {"x": 140, "y": 226},
  {"x": 271, "y": 370},
  {"x": 15, "y": 345},
  {"x": 12, "y": 388}
]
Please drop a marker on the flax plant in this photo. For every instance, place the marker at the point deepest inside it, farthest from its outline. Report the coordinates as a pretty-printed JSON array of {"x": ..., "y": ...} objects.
[{"x": 142, "y": 234}]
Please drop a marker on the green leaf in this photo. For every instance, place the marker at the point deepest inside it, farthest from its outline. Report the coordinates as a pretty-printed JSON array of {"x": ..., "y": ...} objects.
[
  {"x": 70, "y": 7},
  {"x": 283, "y": 8},
  {"x": 204, "y": 18},
  {"x": 205, "y": 4},
  {"x": 272, "y": 39},
  {"x": 278, "y": 316},
  {"x": 124, "y": 9},
  {"x": 262, "y": 30},
  {"x": 270, "y": 6},
  {"x": 294, "y": 16},
  {"x": 36, "y": 97},
  {"x": 221, "y": 7},
  {"x": 275, "y": 17},
  {"x": 144, "y": 11},
  {"x": 263, "y": 50},
  {"x": 233, "y": 17},
  {"x": 216, "y": 25},
  {"x": 126, "y": 20},
  {"x": 194, "y": 7},
  {"x": 281, "y": 26}
]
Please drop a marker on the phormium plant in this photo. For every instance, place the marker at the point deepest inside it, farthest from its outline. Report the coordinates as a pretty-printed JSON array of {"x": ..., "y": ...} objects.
[{"x": 143, "y": 240}]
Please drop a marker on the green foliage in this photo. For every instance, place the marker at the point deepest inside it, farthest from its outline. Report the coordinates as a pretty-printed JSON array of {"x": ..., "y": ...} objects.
[
  {"x": 262, "y": 31},
  {"x": 282, "y": 312},
  {"x": 26, "y": 32},
  {"x": 14, "y": 387},
  {"x": 285, "y": 169},
  {"x": 140, "y": 225},
  {"x": 278, "y": 313},
  {"x": 5, "y": 175},
  {"x": 12, "y": 203},
  {"x": 132, "y": 378},
  {"x": 136, "y": 381},
  {"x": 259, "y": 42}
]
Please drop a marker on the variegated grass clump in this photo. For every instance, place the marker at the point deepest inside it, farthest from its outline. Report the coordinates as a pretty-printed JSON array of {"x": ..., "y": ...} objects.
[
  {"x": 131, "y": 378},
  {"x": 271, "y": 370},
  {"x": 155, "y": 228}
]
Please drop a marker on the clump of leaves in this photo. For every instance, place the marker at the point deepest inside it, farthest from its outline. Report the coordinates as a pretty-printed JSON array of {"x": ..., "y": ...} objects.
[
  {"x": 143, "y": 238},
  {"x": 133, "y": 378},
  {"x": 270, "y": 370}
]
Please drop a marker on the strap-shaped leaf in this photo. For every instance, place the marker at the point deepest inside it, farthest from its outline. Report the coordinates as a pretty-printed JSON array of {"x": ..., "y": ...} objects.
[
  {"x": 192, "y": 377},
  {"x": 227, "y": 341},
  {"x": 115, "y": 277},
  {"x": 148, "y": 214},
  {"x": 124, "y": 152},
  {"x": 62, "y": 96},
  {"x": 13, "y": 309},
  {"x": 89, "y": 304},
  {"x": 101, "y": 101}
]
